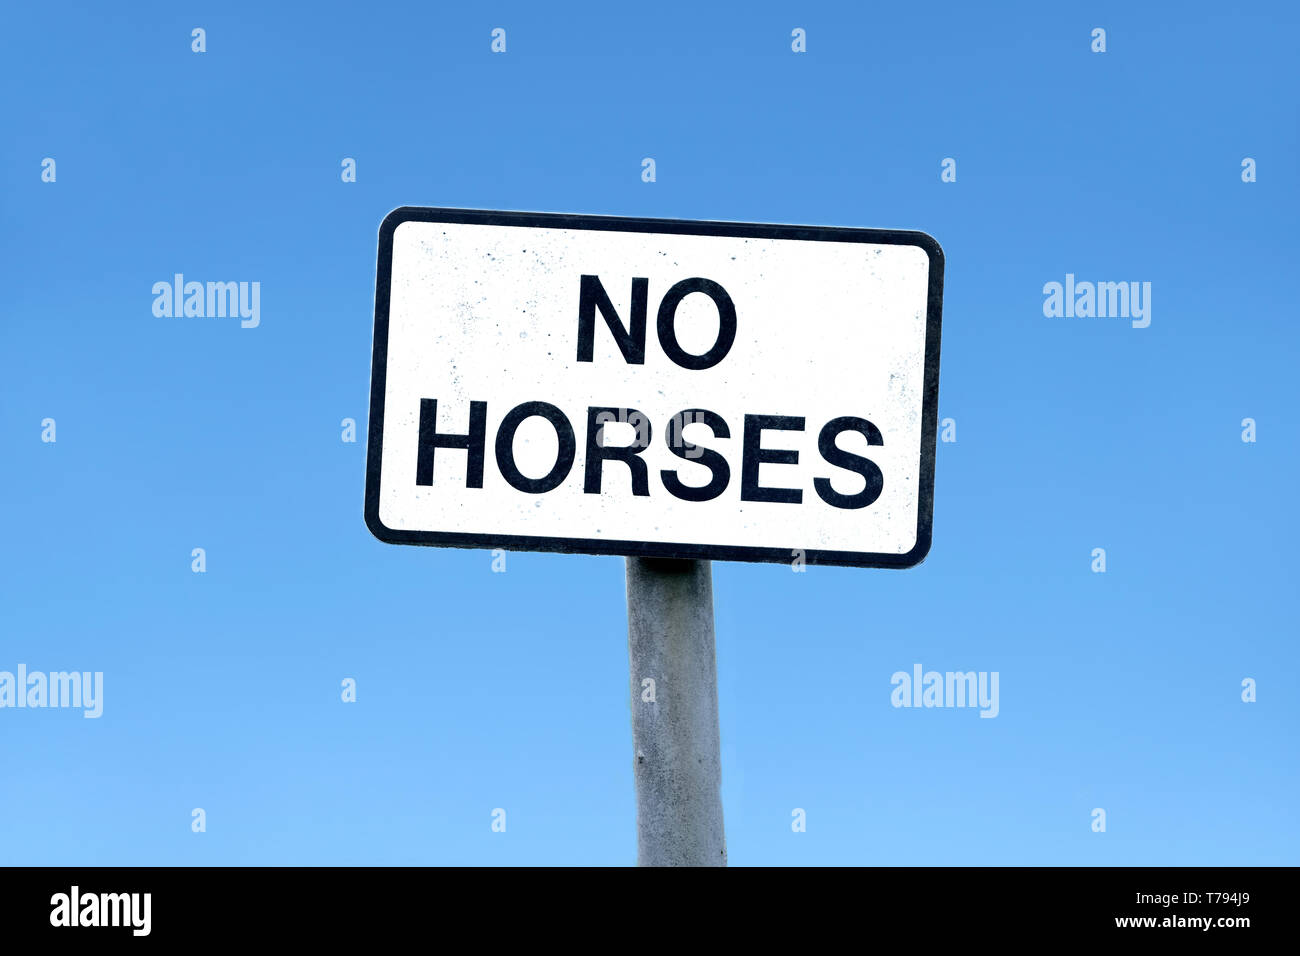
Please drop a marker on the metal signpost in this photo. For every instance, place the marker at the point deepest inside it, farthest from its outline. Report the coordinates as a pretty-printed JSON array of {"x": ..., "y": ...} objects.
[{"x": 667, "y": 390}]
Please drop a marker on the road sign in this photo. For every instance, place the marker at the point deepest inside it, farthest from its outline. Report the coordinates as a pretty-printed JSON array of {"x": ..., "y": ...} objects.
[{"x": 654, "y": 387}]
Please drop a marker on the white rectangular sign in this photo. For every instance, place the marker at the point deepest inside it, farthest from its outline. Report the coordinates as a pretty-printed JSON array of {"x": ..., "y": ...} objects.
[{"x": 654, "y": 387}]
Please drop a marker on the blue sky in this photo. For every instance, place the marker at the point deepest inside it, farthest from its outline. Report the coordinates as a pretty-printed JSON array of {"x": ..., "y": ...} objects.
[{"x": 479, "y": 690}]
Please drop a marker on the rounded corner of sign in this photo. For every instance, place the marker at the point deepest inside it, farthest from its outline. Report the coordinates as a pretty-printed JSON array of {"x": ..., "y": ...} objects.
[
  {"x": 920, "y": 551},
  {"x": 394, "y": 219},
  {"x": 931, "y": 247},
  {"x": 378, "y": 528}
]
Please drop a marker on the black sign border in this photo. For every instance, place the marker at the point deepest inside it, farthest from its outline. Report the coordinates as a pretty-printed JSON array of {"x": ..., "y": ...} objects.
[{"x": 859, "y": 559}]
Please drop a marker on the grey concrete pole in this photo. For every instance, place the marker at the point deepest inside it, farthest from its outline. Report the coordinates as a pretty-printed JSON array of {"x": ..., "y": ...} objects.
[{"x": 677, "y": 755}]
